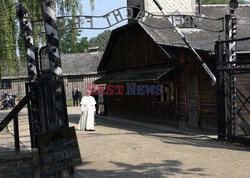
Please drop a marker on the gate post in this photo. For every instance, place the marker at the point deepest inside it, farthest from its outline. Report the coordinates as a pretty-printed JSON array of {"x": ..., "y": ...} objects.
[
  {"x": 32, "y": 66},
  {"x": 58, "y": 117},
  {"x": 221, "y": 120},
  {"x": 230, "y": 90},
  {"x": 57, "y": 93},
  {"x": 25, "y": 24}
]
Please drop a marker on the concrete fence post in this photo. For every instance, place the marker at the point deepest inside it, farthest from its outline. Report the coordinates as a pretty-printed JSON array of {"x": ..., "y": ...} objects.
[{"x": 35, "y": 163}]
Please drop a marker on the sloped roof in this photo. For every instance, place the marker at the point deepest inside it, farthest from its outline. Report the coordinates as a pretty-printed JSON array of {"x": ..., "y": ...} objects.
[
  {"x": 162, "y": 32},
  {"x": 80, "y": 63},
  {"x": 199, "y": 38},
  {"x": 133, "y": 76},
  {"x": 115, "y": 33},
  {"x": 72, "y": 64}
]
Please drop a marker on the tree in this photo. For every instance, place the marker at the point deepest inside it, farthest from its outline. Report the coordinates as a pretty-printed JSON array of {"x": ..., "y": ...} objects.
[
  {"x": 68, "y": 38},
  {"x": 7, "y": 36},
  {"x": 69, "y": 45},
  {"x": 101, "y": 40},
  {"x": 83, "y": 45},
  {"x": 11, "y": 36}
]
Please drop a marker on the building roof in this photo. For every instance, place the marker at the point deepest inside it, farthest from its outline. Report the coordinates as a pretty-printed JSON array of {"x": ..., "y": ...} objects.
[
  {"x": 200, "y": 38},
  {"x": 133, "y": 76},
  {"x": 72, "y": 64},
  {"x": 80, "y": 63},
  {"x": 163, "y": 33},
  {"x": 115, "y": 33}
]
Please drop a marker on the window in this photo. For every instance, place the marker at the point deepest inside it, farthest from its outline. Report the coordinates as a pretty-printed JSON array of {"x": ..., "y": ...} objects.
[
  {"x": 75, "y": 79},
  {"x": 5, "y": 84},
  {"x": 167, "y": 93}
]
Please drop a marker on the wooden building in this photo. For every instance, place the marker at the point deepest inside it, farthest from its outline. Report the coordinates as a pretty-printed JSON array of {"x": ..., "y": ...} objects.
[
  {"x": 79, "y": 69},
  {"x": 137, "y": 53}
]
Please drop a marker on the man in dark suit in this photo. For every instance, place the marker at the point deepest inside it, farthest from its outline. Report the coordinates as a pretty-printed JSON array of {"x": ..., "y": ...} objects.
[{"x": 75, "y": 97}]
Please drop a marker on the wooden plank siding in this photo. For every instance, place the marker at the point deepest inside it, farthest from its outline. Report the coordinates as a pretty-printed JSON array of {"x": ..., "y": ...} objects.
[
  {"x": 208, "y": 99},
  {"x": 78, "y": 81},
  {"x": 195, "y": 104},
  {"x": 192, "y": 102},
  {"x": 142, "y": 107},
  {"x": 17, "y": 87},
  {"x": 182, "y": 97},
  {"x": 196, "y": 94},
  {"x": 135, "y": 49},
  {"x": 132, "y": 50}
]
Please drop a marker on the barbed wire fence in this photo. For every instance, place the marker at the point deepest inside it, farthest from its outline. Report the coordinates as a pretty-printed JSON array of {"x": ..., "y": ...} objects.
[
  {"x": 187, "y": 7},
  {"x": 191, "y": 7},
  {"x": 184, "y": 7}
]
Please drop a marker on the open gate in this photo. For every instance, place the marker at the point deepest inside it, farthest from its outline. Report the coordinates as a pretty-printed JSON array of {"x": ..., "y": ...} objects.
[{"x": 233, "y": 91}]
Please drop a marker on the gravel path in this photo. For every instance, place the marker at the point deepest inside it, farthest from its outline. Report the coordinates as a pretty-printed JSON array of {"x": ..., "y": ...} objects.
[
  {"x": 120, "y": 148},
  {"x": 123, "y": 149}
]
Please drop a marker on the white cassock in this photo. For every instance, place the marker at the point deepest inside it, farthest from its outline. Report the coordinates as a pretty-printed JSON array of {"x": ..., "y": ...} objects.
[{"x": 87, "y": 120}]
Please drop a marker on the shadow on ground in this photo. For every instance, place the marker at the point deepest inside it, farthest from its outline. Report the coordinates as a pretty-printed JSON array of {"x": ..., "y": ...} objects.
[
  {"x": 166, "y": 168},
  {"x": 13, "y": 165},
  {"x": 169, "y": 137}
]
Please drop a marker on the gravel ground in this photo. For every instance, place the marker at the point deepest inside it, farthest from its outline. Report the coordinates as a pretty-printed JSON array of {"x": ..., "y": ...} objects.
[
  {"x": 121, "y": 148},
  {"x": 124, "y": 149}
]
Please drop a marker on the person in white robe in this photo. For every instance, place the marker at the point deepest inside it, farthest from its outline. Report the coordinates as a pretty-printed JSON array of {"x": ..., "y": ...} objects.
[{"x": 87, "y": 118}]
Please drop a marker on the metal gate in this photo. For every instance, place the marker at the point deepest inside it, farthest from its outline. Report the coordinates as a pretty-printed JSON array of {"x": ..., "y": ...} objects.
[{"x": 233, "y": 90}]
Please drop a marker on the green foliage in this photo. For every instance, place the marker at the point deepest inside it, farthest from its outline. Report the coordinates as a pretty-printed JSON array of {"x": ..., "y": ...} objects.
[
  {"x": 68, "y": 39},
  {"x": 69, "y": 102},
  {"x": 220, "y": 1},
  {"x": 83, "y": 45},
  {"x": 101, "y": 40},
  {"x": 7, "y": 36},
  {"x": 11, "y": 36},
  {"x": 69, "y": 45}
]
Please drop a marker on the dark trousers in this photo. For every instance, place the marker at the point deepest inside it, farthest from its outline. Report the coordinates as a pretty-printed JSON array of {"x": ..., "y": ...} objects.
[
  {"x": 75, "y": 102},
  {"x": 97, "y": 108}
]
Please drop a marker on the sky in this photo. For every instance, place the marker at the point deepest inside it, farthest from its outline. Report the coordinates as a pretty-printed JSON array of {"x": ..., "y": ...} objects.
[{"x": 102, "y": 7}]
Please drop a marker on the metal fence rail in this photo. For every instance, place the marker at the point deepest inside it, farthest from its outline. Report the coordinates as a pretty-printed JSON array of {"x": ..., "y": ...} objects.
[{"x": 233, "y": 92}]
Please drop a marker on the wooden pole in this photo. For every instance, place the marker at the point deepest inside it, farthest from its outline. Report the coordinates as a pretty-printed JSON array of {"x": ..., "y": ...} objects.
[
  {"x": 16, "y": 135},
  {"x": 199, "y": 6}
]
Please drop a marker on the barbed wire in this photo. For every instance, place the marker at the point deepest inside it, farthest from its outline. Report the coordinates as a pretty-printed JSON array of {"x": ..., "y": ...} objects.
[{"x": 172, "y": 7}]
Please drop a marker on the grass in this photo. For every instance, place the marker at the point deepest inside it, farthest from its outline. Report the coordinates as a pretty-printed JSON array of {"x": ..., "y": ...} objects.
[{"x": 69, "y": 102}]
